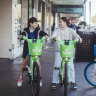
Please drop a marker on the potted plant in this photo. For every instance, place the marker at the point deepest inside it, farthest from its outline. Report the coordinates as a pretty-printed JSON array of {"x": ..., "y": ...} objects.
[{"x": 83, "y": 23}]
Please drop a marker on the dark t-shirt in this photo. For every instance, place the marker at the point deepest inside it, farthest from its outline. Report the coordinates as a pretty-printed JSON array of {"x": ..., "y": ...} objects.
[{"x": 32, "y": 35}]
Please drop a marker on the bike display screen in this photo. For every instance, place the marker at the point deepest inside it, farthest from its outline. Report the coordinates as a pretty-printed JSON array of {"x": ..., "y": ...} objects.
[{"x": 66, "y": 42}]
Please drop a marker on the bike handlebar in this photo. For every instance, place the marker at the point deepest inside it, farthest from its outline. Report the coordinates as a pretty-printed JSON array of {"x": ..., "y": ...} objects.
[
  {"x": 24, "y": 38},
  {"x": 74, "y": 41}
]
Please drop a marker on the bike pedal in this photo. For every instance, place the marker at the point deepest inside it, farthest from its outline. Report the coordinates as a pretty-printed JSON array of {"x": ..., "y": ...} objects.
[
  {"x": 28, "y": 75},
  {"x": 61, "y": 83}
]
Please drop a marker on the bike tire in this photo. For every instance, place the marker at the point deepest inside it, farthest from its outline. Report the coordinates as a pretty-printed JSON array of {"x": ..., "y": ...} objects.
[
  {"x": 35, "y": 83},
  {"x": 90, "y": 73},
  {"x": 66, "y": 80}
]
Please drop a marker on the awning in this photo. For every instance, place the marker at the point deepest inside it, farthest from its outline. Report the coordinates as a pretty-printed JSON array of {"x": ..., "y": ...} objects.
[
  {"x": 69, "y": 6},
  {"x": 68, "y": 2}
]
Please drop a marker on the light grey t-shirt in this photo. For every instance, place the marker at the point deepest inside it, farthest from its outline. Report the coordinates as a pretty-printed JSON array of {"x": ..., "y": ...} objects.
[{"x": 64, "y": 34}]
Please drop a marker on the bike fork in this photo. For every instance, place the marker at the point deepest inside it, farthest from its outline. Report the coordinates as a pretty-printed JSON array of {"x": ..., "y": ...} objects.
[
  {"x": 66, "y": 80},
  {"x": 31, "y": 68}
]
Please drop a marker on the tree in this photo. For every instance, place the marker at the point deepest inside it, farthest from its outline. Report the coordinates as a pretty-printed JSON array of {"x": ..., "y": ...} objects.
[{"x": 83, "y": 23}]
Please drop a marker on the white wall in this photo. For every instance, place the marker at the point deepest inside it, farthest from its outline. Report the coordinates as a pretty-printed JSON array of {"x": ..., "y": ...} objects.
[{"x": 5, "y": 28}]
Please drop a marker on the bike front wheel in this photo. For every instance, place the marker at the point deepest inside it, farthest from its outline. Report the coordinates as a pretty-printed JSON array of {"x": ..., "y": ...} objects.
[
  {"x": 90, "y": 73},
  {"x": 36, "y": 80}
]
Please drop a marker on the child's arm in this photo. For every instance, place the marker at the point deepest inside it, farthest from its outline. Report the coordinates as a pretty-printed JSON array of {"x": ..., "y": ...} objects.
[
  {"x": 22, "y": 34},
  {"x": 42, "y": 33},
  {"x": 55, "y": 33},
  {"x": 75, "y": 35}
]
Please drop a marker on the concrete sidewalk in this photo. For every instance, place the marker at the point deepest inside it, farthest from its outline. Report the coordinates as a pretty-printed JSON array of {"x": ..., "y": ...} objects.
[{"x": 9, "y": 73}]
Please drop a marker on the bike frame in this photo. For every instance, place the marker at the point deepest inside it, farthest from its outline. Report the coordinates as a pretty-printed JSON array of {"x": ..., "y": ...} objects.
[
  {"x": 66, "y": 58},
  {"x": 63, "y": 68},
  {"x": 32, "y": 60}
]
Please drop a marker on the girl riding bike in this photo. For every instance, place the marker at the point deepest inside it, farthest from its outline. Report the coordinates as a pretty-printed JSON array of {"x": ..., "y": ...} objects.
[{"x": 63, "y": 33}]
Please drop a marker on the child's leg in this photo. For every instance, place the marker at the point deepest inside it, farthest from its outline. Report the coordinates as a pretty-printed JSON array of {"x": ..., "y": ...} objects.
[
  {"x": 72, "y": 75},
  {"x": 40, "y": 74},
  {"x": 20, "y": 80},
  {"x": 23, "y": 64},
  {"x": 72, "y": 71},
  {"x": 40, "y": 68},
  {"x": 57, "y": 66}
]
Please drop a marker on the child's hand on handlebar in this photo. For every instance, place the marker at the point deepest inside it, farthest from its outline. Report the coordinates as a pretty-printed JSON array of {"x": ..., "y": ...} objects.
[
  {"x": 20, "y": 37},
  {"x": 47, "y": 37},
  {"x": 54, "y": 39},
  {"x": 80, "y": 40}
]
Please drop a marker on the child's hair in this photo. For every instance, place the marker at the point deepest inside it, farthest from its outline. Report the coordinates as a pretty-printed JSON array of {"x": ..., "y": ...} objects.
[
  {"x": 32, "y": 20},
  {"x": 65, "y": 20}
]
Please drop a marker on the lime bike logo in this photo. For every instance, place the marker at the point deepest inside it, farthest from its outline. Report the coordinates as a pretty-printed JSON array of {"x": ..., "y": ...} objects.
[
  {"x": 66, "y": 51},
  {"x": 36, "y": 50}
]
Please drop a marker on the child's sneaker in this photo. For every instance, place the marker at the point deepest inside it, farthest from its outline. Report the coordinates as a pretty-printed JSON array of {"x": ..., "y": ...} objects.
[
  {"x": 19, "y": 83},
  {"x": 73, "y": 86},
  {"x": 53, "y": 86},
  {"x": 40, "y": 81}
]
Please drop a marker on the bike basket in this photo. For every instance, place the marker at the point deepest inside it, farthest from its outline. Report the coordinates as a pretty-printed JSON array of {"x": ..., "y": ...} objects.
[
  {"x": 66, "y": 50},
  {"x": 35, "y": 48},
  {"x": 95, "y": 50}
]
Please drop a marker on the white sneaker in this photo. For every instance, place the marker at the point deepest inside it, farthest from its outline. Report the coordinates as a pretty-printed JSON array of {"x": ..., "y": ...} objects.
[
  {"x": 40, "y": 81},
  {"x": 19, "y": 83},
  {"x": 53, "y": 86}
]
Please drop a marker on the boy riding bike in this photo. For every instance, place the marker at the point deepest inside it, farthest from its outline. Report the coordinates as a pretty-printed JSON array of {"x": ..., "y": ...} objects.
[
  {"x": 31, "y": 32},
  {"x": 63, "y": 33}
]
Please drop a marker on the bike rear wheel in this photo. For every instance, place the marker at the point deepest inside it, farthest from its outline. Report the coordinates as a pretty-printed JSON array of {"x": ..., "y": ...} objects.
[
  {"x": 36, "y": 80},
  {"x": 66, "y": 80},
  {"x": 90, "y": 73}
]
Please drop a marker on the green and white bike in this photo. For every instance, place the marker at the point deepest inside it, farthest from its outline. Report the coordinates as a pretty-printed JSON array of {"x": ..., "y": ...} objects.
[
  {"x": 35, "y": 51},
  {"x": 66, "y": 52}
]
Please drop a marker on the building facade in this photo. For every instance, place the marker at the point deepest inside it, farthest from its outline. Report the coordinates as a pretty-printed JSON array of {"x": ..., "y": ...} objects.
[{"x": 14, "y": 15}]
